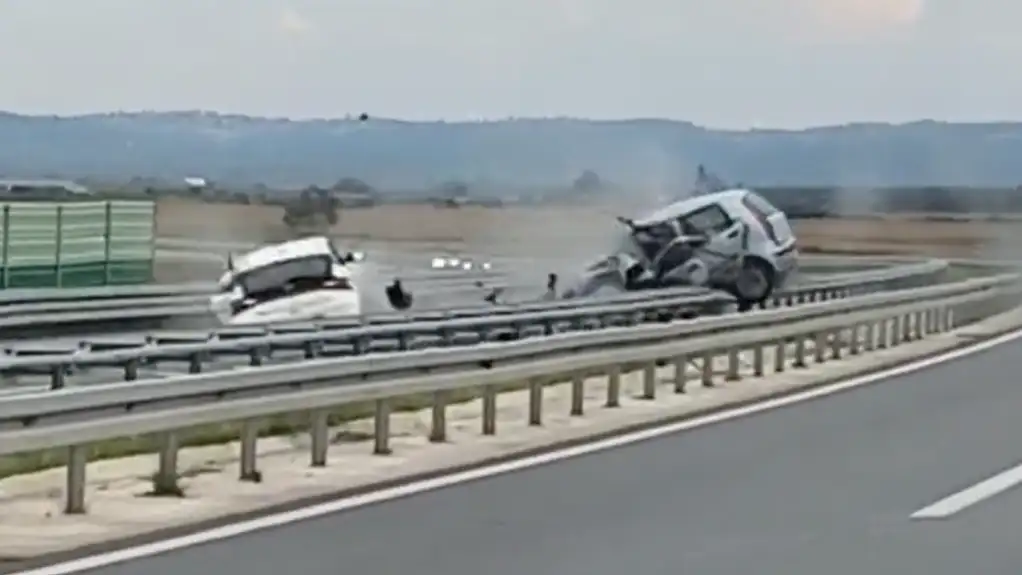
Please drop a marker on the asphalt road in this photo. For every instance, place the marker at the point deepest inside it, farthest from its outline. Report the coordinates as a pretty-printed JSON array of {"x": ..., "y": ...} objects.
[{"x": 824, "y": 487}]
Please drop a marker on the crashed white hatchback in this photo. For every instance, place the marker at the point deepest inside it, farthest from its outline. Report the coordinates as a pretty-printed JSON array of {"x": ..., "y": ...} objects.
[
  {"x": 291, "y": 281},
  {"x": 734, "y": 240}
]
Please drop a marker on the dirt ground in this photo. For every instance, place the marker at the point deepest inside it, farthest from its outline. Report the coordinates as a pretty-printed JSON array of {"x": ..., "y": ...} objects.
[{"x": 569, "y": 229}]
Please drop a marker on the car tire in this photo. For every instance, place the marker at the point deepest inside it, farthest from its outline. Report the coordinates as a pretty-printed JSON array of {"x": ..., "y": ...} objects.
[{"x": 754, "y": 283}]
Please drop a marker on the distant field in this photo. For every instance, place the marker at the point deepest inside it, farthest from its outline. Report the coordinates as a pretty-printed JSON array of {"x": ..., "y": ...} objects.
[{"x": 574, "y": 230}]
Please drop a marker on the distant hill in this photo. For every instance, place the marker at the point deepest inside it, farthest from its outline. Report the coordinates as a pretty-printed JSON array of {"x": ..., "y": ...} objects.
[{"x": 233, "y": 149}]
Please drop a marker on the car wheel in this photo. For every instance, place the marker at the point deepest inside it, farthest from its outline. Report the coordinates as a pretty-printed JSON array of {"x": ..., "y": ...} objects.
[{"x": 753, "y": 284}]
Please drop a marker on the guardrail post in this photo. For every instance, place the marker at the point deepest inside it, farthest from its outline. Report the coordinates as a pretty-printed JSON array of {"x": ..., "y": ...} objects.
[
  {"x": 165, "y": 482},
  {"x": 535, "y": 401},
  {"x": 438, "y": 429},
  {"x": 77, "y": 460},
  {"x": 649, "y": 381},
  {"x": 195, "y": 363},
  {"x": 734, "y": 364},
  {"x": 381, "y": 428},
  {"x": 707, "y": 378},
  {"x": 58, "y": 376},
  {"x": 614, "y": 386},
  {"x": 854, "y": 339},
  {"x": 819, "y": 346},
  {"x": 896, "y": 331},
  {"x": 800, "y": 351},
  {"x": 578, "y": 381},
  {"x": 907, "y": 329},
  {"x": 950, "y": 319},
  {"x": 869, "y": 336},
  {"x": 884, "y": 333},
  {"x": 780, "y": 351},
  {"x": 489, "y": 410},
  {"x": 757, "y": 360},
  {"x": 939, "y": 324},
  {"x": 680, "y": 367},
  {"x": 249, "y": 449},
  {"x": 319, "y": 433},
  {"x": 131, "y": 370},
  {"x": 836, "y": 343}
]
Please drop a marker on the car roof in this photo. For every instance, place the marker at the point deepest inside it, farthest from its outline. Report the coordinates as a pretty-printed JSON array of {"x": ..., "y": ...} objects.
[
  {"x": 276, "y": 253},
  {"x": 692, "y": 204}
]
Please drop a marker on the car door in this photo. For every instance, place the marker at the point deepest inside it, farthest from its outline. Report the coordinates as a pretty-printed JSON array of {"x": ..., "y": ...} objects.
[{"x": 725, "y": 239}]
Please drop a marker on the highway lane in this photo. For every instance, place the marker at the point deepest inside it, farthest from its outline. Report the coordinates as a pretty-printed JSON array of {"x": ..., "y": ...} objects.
[{"x": 820, "y": 487}]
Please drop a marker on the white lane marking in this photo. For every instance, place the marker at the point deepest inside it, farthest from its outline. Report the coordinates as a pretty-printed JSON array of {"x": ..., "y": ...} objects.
[
  {"x": 973, "y": 495},
  {"x": 303, "y": 514}
]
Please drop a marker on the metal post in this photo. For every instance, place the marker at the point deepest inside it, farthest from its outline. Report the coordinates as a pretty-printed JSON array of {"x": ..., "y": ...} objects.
[
  {"x": 166, "y": 476},
  {"x": 381, "y": 428},
  {"x": 489, "y": 410},
  {"x": 578, "y": 394},
  {"x": 319, "y": 430},
  {"x": 614, "y": 387},
  {"x": 249, "y": 450},
  {"x": 680, "y": 365},
  {"x": 707, "y": 378},
  {"x": 535, "y": 401},
  {"x": 649, "y": 381},
  {"x": 438, "y": 430},
  {"x": 77, "y": 459}
]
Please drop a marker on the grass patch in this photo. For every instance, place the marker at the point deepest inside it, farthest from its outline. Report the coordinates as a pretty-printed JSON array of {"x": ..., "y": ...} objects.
[{"x": 283, "y": 425}]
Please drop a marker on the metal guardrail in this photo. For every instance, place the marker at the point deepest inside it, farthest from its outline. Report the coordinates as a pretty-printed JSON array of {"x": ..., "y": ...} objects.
[
  {"x": 76, "y": 418},
  {"x": 27, "y": 312},
  {"x": 449, "y": 328}
]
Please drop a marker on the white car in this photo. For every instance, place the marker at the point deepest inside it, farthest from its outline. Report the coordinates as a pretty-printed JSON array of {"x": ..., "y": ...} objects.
[
  {"x": 732, "y": 239},
  {"x": 298, "y": 280}
]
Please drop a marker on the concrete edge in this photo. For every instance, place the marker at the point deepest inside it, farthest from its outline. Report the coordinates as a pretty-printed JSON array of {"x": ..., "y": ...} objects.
[{"x": 964, "y": 340}]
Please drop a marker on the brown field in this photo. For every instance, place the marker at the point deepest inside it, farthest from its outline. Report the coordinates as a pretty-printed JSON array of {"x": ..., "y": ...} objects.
[{"x": 565, "y": 229}]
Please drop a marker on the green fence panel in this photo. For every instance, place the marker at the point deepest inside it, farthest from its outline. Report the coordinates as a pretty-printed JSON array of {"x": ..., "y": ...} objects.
[{"x": 79, "y": 244}]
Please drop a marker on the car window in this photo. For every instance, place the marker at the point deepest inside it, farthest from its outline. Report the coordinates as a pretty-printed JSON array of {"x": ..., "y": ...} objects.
[
  {"x": 759, "y": 205},
  {"x": 277, "y": 275},
  {"x": 708, "y": 220}
]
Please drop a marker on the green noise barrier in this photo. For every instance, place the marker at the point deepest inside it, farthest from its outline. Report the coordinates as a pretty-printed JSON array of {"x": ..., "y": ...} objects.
[{"x": 76, "y": 244}]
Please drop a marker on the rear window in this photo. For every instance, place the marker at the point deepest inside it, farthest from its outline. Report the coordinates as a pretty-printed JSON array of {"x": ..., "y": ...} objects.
[{"x": 759, "y": 205}]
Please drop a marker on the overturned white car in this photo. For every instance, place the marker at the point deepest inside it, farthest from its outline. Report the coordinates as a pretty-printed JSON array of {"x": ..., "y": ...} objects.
[
  {"x": 298, "y": 280},
  {"x": 734, "y": 240}
]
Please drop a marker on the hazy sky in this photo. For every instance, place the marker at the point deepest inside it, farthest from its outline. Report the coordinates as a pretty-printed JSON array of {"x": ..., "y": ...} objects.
[{"x": 729, "y": 63}]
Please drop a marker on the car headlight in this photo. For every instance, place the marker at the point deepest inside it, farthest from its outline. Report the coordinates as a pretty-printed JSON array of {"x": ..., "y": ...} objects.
[
  {"x": 466, "y": 265},
  {"x": 358, "y": 256},
  {"x": 453, "y": 262},
  {"x": 486, "y": 266},
  {"x": 438, "y": 263}
]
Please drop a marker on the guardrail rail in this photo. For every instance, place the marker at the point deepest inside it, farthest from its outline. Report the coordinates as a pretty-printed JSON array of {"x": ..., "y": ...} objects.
[
  {"x": 445, "y": 328},
  {"x": 73, "y": 419}
]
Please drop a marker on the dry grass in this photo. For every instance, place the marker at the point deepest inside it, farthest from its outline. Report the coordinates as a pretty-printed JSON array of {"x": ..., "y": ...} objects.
[{"x": 526, "y": 230}]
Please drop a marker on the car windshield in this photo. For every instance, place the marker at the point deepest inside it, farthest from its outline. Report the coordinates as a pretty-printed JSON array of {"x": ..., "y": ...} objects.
[{"x": 279, "y": 275}]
